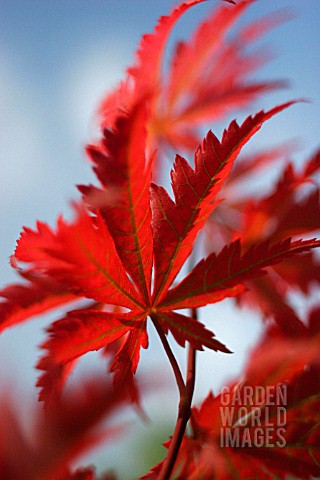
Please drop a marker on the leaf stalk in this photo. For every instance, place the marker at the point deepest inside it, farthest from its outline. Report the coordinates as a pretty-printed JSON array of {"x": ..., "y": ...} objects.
[{"x": 186, "y": 390}]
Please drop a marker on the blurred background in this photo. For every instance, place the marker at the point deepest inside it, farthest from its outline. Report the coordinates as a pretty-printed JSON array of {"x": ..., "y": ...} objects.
[{"x": 57, "y": 60}]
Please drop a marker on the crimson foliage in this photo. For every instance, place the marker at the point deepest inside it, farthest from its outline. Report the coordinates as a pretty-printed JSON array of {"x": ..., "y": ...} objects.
[{"x": 119, "y": 263}]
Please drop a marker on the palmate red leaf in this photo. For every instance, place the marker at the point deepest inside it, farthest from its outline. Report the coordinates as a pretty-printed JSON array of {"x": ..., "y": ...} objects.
[
  {"x": 202, "y": 83},
  {"x": 208, "y": 77},
  {"x": 105, "y": 255},
  {"x": 224, "y": 274},
  {"x": 176, "y": 223},
  {"x": 125, "y": 173}
]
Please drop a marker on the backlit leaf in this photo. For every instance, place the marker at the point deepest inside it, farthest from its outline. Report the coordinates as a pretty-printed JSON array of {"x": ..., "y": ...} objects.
[
  {"x": 218, "y": 275},
  {"x": 122, "y": 168},
  {"x": 176, "y": 223}
]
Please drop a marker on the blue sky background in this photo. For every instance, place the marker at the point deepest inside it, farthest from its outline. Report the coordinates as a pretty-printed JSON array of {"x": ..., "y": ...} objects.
[{"x": 57, "y": 59}]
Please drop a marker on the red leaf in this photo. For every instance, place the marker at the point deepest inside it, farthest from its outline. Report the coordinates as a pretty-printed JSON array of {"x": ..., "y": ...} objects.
[
  {"x": 151, "y": 51},
  {"x": 218, "y": 275},
  {"x": 24, "y": 301},
  {"x": 53, "y": 379},
  {"x": 126, "y": 360},
  {"x": 80, "y": 332},
  {"x": 281, "y": 214},
  {"x": 87, "y": 330},
  {"x": 208, "y": 76},
  {"x": 144, "y": 78},
  {"x": 121, "y": 166},
  {"x": 82, "y": 256},
  {"x": 266, "y": 294},
  {"x": 106, "y": 256},
  {"x": 192, "y": 58},
  {"x": 253, "y": 164},
  {"x": 176, "y": 224},
  {"x": 302, "y": 217},
  {"x": 71, "y": 427},
  {"x": 188, "y": 329}
]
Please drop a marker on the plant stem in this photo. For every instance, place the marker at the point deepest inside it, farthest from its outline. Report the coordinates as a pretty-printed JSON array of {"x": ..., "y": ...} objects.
[
  {"x": 186, "y": 393},
  {"x": 191, "y": 368},
  {"x": 172, "y": 359},
  {"x": 174, "y": 446}
]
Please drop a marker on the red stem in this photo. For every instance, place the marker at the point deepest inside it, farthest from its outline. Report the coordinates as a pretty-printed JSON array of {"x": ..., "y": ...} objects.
[
  {"x": 191, "y": 369},
  {"x": 186, "y": 393},
  {"x": 172, "y": 359}
]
